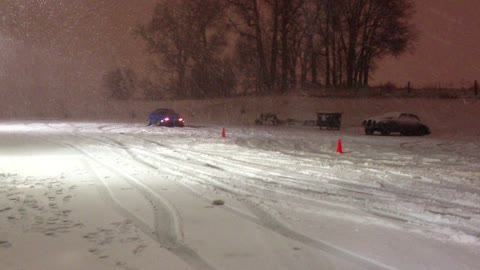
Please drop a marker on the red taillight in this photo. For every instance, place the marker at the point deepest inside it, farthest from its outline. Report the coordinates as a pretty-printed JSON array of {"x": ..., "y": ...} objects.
[
  {"x": 180, "y": 119},
  {"x": 166, "y": 119}
]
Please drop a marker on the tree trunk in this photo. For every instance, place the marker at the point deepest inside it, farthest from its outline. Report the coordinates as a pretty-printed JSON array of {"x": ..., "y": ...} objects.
[
  {"x": 285, "y": 52},
  {"x": 351, "y": 60},
  {"x": 264, "y": 78},
  {"x": 274, "y": 51},
  {"x": 314, "y": 72}
]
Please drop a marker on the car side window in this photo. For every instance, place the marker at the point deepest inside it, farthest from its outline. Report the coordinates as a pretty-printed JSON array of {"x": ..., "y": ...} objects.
[{"x": 406, "y": 116}]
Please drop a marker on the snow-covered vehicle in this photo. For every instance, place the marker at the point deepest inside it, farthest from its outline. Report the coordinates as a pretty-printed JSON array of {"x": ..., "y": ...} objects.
[
  {"x": 267, "y": 119},
  {"x": 403, "y": 123},
  {"x": 165, "y": 117}
]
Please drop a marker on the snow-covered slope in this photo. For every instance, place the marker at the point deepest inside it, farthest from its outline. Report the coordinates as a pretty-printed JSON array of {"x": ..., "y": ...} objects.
[
  {"x": 110, "y": 195},
  {"x": 445, "y": 117}
]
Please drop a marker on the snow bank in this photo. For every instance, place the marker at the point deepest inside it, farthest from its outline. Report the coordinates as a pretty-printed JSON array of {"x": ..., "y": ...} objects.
[{"x": 445, "y": 117}]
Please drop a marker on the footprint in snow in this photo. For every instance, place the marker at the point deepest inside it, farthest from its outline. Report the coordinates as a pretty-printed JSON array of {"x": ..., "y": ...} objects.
[
  {"x": 5, "y": 244},
  {"x": 5, "y": 209},
  {"x": 139, "y": 248}
]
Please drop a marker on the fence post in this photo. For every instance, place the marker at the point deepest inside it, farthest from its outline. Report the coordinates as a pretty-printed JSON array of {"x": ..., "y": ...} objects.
[{"x": 475, "y": 87}]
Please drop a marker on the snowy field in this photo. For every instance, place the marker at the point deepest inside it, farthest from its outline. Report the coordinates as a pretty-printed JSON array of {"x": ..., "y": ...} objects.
[{"x": 117, "y": 195}]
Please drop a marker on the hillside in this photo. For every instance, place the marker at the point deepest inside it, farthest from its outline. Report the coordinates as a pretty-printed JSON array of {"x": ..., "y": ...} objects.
[{"x": 445, "y": 117}]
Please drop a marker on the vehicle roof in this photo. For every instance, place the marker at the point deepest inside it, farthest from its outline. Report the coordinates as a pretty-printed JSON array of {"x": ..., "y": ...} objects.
[
  {"x": 163, "y": 110},
  {"x": 329, "y": 112},
  {"x": 397, "y": 114}
]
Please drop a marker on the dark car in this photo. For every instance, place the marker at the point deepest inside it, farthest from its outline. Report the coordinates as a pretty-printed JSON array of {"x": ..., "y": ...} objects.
[
  {"x": 165, "y": 117},
  {"x": 329, "y": 120},
  {"x": 403, "y": 123},
  {"x": 266, "y": 119}
]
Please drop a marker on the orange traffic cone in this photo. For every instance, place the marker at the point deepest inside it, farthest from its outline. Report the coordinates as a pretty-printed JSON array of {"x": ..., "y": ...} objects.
[
  {"x": 223, "y": 132},
  {"x": 339, "y": 146}
]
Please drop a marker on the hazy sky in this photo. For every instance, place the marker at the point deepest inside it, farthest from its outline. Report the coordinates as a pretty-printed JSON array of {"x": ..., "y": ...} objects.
[
  {"x": 448, "y": 46},
  {"x": 57, "y": 46}
]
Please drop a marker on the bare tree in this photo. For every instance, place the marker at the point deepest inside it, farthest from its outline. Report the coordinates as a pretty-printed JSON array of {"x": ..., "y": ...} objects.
[
  {"x": 292, "y": 32},
  {"x": 308, "y": 46},
  {"x": 183, "y": 34},
  {"x": 248, "y": 23},
  {"x": 386, "y": 31},
  {"x": 120, "y": 83},
  {"x": 212, "y": 79},
  {"x": 168, "y": 37},
  {"x": 365, "y": 31},
  {"x": 151, "y": 91},
  {"x": 277, "y": 42},
  {"x": 272, "y": 31}
]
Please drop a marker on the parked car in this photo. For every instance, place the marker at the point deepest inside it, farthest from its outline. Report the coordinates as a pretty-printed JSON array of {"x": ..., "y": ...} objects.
[
  {"x": 266, "y": 119},
  {"x": 404, "y": 123},
  {"x": 165, "y": 117},
  {"x": 329, "y": 120}
]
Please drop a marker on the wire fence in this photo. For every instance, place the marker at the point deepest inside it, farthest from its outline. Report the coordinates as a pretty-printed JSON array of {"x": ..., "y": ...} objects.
[{"x": 470, "y": 90}]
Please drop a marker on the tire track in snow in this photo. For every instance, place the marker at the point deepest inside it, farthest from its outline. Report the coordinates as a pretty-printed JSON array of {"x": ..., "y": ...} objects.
[
  {"x": 264, "y": 219},
  {"x": 287, "y": 186},
  {"x": 267, "y": 221},
  {"x": 360, "y": 195},
  {"x": 297, "y": 180},
  {"x": 377, "y": 194},
  {"x": 167, "y": 229},
  {"x": 430, "y": 204},
  {"x": 396, "y": 215}
]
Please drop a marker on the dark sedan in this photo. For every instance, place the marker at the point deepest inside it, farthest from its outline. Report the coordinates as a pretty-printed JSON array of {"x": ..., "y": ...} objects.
[
  {"x": 165, "y": 117},
  {"x": 404, "y": 123}
]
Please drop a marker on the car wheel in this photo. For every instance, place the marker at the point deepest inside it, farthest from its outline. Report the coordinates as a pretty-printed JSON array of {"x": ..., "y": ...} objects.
[
  {"x": 385, "y": 130},
  {"x": 369, "y": 131},
  {"x": 423, "y": 131}
]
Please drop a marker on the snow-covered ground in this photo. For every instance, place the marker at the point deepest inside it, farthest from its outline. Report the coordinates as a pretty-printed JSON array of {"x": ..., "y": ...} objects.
[{"x": 118, "y": 195}]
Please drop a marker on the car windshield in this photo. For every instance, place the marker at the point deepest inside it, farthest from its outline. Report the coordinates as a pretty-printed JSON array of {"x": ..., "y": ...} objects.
[
  {"x": 390, "y": 115},
  {"x": 164, "y": 111},
  {"x": 408, "y": 116}
]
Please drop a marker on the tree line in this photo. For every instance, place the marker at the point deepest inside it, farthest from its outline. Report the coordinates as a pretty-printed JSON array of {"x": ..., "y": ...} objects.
[{"x": 213, "y": 48}]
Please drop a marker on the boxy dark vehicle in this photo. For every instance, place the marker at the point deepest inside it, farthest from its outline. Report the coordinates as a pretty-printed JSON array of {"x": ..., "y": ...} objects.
[
  {"x": 329, "y": 120},
  {"x": 267, "y": 119},
  {"x": 404, "y": 123}
]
